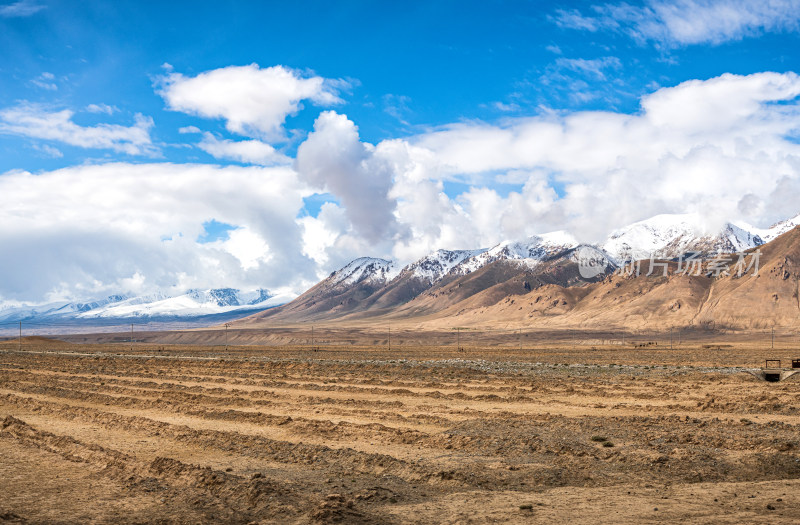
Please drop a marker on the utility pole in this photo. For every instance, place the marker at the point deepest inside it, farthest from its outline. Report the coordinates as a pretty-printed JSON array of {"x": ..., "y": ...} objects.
[
  {"x": 20, "y": 336},
  {"x": 458, "y": 338},
  {"x": 131, "y": 337},
  {"x": 226, "y": 337},
  {"x": 389, "y": 340},
  {"x": 520, "y": 339},
  {"x": 312, "y": 337}
]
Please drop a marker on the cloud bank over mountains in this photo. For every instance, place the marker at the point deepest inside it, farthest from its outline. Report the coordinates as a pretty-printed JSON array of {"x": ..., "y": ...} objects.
[{"x": 727, "y": 148}]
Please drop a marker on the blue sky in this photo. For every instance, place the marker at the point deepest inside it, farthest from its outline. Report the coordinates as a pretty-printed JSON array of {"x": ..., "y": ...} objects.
[
  {"x": 411, "y": 66},
  {"x": 409, "y": 95}
]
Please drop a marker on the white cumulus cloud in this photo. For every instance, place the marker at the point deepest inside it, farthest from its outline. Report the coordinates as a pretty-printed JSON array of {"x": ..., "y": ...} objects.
[
  {"x": 334, "y": 159},
  {"x": 726, "y": 147},
  {"x": 253, "y": 101}
]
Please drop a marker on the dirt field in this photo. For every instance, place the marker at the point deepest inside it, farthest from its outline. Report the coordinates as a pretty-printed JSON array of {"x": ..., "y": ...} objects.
[{"x": 589, "y": 434}]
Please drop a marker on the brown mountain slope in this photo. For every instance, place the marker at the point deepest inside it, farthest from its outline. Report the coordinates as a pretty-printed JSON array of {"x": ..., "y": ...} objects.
[
  {"x": 405, "y": 297},
  {"x": 408, "y": 297},
  {"x": 322, "y": 301},
  {"x": 493, "y": 284},
  {"x": 750, "y": 301},
  {"x": 328, "y": 300},
  {"x": 764, "y": 300}
]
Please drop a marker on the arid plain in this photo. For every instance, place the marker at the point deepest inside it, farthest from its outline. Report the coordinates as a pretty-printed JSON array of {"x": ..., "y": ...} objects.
[{"x": 533, "y": 429}]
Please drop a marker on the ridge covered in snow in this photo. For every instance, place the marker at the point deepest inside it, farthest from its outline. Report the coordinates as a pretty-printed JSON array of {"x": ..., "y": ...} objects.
[
  {"x": 528, "y": 252},
  {"x": 194, "y": 303},
  {"x": 674, "y": 235},
  {"x": 663, "y": 236},
  {"x": 433, "y": 267},
  {"x": 364, "y": 270},
  {"x": 774, "y": 231}
]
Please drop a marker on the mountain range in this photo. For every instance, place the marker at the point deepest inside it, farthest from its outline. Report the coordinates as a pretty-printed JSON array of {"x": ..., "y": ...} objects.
[
  {"x": 208, "y": 306},
  {"x": 543, "y": 280},
  {"x": 471, "y": 284}
]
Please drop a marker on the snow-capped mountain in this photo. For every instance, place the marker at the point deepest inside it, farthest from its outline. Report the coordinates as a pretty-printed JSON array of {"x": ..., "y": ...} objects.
[
  {"x": 55, "y": 310},
  {"x": 774, "y": 231},
  {"x": 192, "y": 304},
  {"x": 663, "y": 236},
  {"x": 673, "y": 235},
  {"x": 369, "y": 287},
  {"x": 528, "y": 252},
  {"x": 368, "y": 270},
  {"x": 432, "y": 268}
]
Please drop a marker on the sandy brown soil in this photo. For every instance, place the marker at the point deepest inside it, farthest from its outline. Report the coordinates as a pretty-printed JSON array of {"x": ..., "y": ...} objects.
[{"x": 590, "y": 434}]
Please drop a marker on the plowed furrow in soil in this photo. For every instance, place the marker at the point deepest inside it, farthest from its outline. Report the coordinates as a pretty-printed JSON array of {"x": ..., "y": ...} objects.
[
  {"x": 198, "y": 406},
  {"x": 313, "y": 456},
  {"x": 277, "y": 386},
  {"x": 575, "y": 407},
  {"x": 210, "y": 494}
]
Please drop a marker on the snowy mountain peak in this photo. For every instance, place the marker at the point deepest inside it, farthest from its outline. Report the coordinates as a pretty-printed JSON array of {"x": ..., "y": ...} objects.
[
  {"x": 433, "y": 267},
  {"x": 192, "y": 303},
  {"x": 528, "y": 252},
  {"x": 674, "y": 235},
  {"x": 651, "y": 236},
  {"x": 364, "y": 270},
  {"x": 535, "y": 247},
  {"x": 736, "y": 239},
  {"x": 225, "y": 297}
]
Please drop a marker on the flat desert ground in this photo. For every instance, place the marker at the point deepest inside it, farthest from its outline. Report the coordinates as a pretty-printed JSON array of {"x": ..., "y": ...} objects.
[{"x": 537, "y": 433}]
